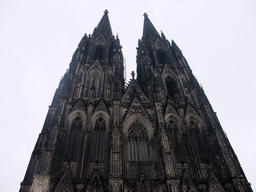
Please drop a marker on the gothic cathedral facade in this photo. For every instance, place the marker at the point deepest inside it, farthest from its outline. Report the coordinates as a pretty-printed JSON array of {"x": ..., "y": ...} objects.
[{"x": 158, "y": 133}]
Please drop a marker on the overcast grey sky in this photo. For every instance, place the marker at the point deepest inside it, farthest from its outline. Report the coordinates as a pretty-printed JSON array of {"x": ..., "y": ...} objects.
[{"x": 38, "y": 38}]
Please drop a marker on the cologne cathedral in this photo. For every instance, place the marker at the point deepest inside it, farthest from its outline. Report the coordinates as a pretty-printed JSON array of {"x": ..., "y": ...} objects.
[{"x": 157, "y": 133}]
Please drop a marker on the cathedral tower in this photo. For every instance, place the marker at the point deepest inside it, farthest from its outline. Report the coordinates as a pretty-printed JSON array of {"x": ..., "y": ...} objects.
[{"x": 159, "y": 133}]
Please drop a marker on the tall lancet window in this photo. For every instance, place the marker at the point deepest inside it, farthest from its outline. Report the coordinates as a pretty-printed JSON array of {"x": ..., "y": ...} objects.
[
  {"x": 75, "y": 139},
  {"x": 94, "y": 84},
  {"x": 99, "y": 141},
  {"x": 175, "y": 140},
  {"x": 138, "y": 143},
  {"x": 171, "y": 87},
  {"x": 99, "y": 52},
  {"x": 161, "y": 56},
  {"x": 197, "y": 141}
]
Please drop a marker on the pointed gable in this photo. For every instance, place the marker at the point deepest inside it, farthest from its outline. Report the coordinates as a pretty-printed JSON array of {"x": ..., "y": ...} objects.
[
  {"x": 170, "y": 110},
  {"x": 116, "y": 130},
  {"x": 167, "y": 70},
  {"x": 143, "y": 185},
  {"x": 95, "y": 65},
  {"x": 132, "y": 91},
  {"x": 191, "y": 111},
  {"x": 101, "y": 107},
  {"x": 191, "y": 115},
  {"x": 100, "y": 40},
  {"x": 79, "y": 105},
  {"x": 214, "y": 184},
  {"x": 65, "y": 183},
  {"x": 96, "y": 182},
  {"x": 160, "y": 44},
  {"x": 136, "y": 108},
  {"x": 103, "y": 26},
  {"x": 187, "y": 184}
]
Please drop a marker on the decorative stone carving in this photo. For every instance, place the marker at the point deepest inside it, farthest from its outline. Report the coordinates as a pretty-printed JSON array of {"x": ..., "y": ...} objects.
[
  {"x": 41, "y": 183},
  {"x": 101, "y": 107},
  {"x": 159, "y": 134},
  {"x": 65, "y": 183}
]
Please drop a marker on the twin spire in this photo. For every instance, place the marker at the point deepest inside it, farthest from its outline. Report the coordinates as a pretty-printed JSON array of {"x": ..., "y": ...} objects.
[{"x": 105, "y": 28}]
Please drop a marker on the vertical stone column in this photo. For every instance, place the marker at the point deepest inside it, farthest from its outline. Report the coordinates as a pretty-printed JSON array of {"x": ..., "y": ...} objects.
[
  {"x": 115, "y": 183},
  {"x": 86, "y": 135},
  {"x": 115, "y": 155},
  {"x": 116, "y": 112},
  {"x": 173, "y": 185},
  {"x": 167, "y": 153},
  {"x": 89, "y": 112},
  {"x": 85, "y": 162}
]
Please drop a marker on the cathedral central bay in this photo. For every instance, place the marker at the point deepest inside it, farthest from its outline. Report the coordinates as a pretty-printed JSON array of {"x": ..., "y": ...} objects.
[{"x": 159, "y": 133}]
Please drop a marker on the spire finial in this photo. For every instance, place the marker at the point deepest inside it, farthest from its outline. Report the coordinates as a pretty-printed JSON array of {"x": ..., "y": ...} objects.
[
  {"x": 148, "y": 29},
  {"x": 103, "y": 26},
  {"x": 162, "y": 34},
  {"x": 133, "y": 74}
]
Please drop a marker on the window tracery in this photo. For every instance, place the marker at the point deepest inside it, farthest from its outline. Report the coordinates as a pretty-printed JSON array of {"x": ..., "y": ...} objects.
[
  {"x": 99, "y": 141},
  {"x": 94, "y": 84},
  {"x": 171, "y": 87},
  {"x": 174, "y": 138},
  {"x": 161, "y": 56},
  {"x": 75, "y": 139},
  {"x": 138, "y": 143},
  {"x": 99, "y": 52},
  {"x": 196, "y": 140}
]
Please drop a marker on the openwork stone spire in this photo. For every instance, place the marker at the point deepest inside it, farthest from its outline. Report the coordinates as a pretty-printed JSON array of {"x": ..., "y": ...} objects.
[{"x": 159, "y": 133}]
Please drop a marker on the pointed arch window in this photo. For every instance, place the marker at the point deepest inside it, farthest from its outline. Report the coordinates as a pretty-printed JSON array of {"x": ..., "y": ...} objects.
[
  {"x": 75, "y": 139},
  {"x": 99, "y": 52},
  {"x": 94, "y": 84},
  {"x": 138, "y": 143},
  {"x": 99, "y": 141},
  {"x": 197, "y": 141},
  {"x": 161, "y": 56},
  {"x": 171, "y": 87},
  {"x": 175, "y": 140}
]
